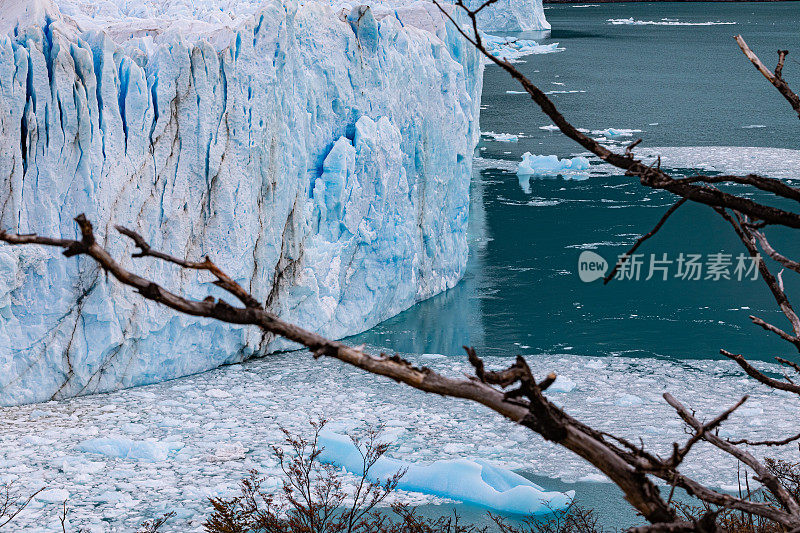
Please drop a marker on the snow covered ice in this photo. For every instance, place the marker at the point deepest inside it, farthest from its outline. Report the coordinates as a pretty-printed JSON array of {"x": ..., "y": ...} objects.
[
  {"x": 215, "y": 439},
  {"x": 266, "y": 134},
  {"x": 476, "y": 482}
]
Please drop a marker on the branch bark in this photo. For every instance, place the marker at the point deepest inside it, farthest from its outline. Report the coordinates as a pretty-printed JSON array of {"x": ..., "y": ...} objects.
[{"x": 775, "y": 78}]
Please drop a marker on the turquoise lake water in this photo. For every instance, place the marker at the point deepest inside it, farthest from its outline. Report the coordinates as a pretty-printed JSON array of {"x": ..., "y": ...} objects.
[{"x": 685, "y": 86}]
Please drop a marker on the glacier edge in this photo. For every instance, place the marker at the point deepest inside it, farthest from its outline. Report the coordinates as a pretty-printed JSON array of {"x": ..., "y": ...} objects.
[{"x": 279, "y": 146}]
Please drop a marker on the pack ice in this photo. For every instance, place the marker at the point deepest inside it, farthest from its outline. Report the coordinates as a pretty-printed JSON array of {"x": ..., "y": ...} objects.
[{"x": 318, "y": 153}]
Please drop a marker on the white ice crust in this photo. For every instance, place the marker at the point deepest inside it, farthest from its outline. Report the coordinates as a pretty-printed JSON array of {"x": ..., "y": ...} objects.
[{"x": 321, "y": 155}]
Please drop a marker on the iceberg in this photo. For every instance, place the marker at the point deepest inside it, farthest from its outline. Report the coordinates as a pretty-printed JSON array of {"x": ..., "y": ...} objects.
[
  {"x": 500, "y": 137},
  {"x": 285, "y": 140},
  {"x": 616, "y": 132},
  {"x": 550, "y": 165},
  {"x": 512, "y": 49},
  {"x": 475, "y": 482}
]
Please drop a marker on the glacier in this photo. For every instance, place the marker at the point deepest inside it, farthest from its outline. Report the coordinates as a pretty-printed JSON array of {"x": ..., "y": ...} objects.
[{"x": 285, "y": 140}]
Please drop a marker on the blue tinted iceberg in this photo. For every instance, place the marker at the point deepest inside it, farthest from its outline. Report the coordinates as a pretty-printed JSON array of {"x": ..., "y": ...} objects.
[
  {"x": 475, "y": 482},
  {"x": 550, "y": 165}
]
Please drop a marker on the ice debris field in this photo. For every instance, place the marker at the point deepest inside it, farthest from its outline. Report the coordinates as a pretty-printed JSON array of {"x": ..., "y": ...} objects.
[{"x": 117, "y": 464}]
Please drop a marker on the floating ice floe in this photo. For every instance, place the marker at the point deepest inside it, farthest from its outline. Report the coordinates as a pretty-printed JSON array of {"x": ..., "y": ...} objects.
[
  {"x": 562, "y": 384},
  {"x": 511, "y": 49},
  {"x": 773, "y": 162},
  {"x": 257, "y": 407},
  {"x": 53, "y": 496},
  {"x": 574, "y": 91},
  {"x": 665, "y": 22},
  {"x": 122, "y": 448},
  {"x": 551, "y": 165},
  {"x": 501, "y": 137},
  {"x": 616, "y": 132},
  {"x": 476, "y": 482}
]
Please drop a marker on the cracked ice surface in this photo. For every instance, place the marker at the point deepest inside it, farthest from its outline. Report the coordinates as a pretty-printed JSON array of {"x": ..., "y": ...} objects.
[
  {"x": 169, "y": 445},
  {"x": 288, "y": 143}
]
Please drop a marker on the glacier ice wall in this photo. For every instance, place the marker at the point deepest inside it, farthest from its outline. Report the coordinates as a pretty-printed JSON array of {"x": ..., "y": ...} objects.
[
  {"x": 511, "y": 15},
  {"x": 214, "y": 16},
  {"x": 320, "y": 155}
]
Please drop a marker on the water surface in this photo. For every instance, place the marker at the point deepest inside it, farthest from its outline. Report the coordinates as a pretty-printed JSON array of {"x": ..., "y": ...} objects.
[{"x": 682, "y": 86}]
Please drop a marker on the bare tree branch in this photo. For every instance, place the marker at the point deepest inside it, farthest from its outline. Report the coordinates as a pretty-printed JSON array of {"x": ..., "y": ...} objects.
[
  {"x": 782, "y": 442},
  {"x": 751, "y": 371},
  {"x": 775, "y": 78},
  {"x": 223, "y": 280},
  {"x": 774, "y": 186},
  {"x": 748, "y": 239},
  {"x": 643, "y": 238},
  {"x": 763, "y": 474},
  {"x": 770, "y": 251}
]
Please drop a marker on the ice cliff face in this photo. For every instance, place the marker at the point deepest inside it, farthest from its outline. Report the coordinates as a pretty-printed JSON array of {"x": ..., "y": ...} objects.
[
  {"x": 320, "y": 154},
  {"x": 511, "y": 15}
]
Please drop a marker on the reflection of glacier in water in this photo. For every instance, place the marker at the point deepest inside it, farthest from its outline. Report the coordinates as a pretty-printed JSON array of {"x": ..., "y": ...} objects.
[{"x": 453, "y": 319}]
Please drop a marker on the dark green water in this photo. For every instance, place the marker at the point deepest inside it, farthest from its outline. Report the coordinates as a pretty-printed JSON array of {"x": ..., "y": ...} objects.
[{"x": 684, "y": 86}]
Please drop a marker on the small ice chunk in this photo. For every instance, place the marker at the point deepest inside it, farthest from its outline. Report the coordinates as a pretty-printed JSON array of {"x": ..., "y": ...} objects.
[
  {"x": 561, "y": 384},
  {"x": 433, "y": 356},
  {"x": 228, "y": 451},
  {"x": 628, "y": 400},
  {"x": 501, "y": 137},
  {"x": 512, "y": 49},
  {"x": 53, "y": 496},
  {"x": 144, "y": 450},
  {"x": 615, "y": 132}
]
